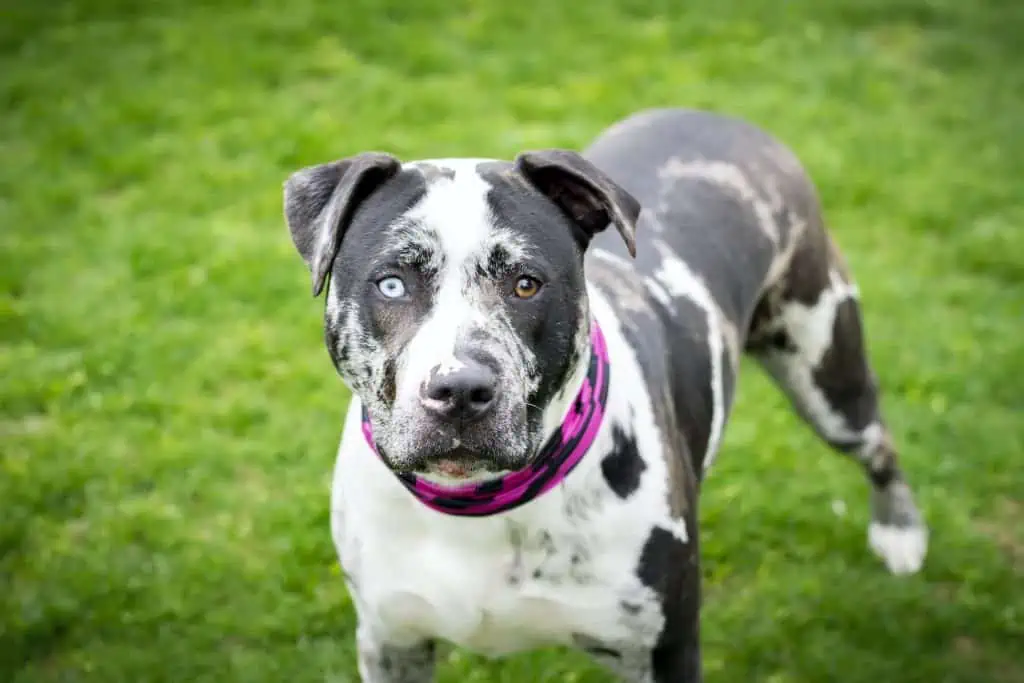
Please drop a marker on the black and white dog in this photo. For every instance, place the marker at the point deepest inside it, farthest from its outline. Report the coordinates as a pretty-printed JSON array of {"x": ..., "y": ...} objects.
[{"x": 536, "y": 399}]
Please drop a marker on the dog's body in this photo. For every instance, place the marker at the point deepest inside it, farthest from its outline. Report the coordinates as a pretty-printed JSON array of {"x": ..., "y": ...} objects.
[{"x": 730, "y": 255}]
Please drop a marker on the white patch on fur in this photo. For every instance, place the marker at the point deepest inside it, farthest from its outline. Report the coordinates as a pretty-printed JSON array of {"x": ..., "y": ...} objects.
[
  {"x": 677, "y": 528},
  {"x": 811, "y": 327},
  {"x": 679, "y": 281},
  {"x": 366, "y": 355},
  {"x": 456, "y": 211},
  {"x": 660, "y": 294},
  {"x": 871, "y": 438},
  {"x": 782, "y": 259},
  {"x": 509, "y": 582},
  {"x": 770, "y": 188},
  {"x": 902, "y": 548}
]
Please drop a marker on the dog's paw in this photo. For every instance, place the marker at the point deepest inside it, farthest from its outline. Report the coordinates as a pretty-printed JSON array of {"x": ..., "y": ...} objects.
[{"x": 902, "y": 548}]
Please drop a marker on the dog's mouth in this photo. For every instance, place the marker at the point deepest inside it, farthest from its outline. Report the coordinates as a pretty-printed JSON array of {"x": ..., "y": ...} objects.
[
  {"x": 459, "y": 466},
  {"x": 450, "y": 456}
]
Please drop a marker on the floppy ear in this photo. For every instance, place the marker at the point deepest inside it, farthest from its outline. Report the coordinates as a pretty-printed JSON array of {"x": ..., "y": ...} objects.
[
  {"x": 319, "y": 202},
  {"x": 587, "y": 196}
]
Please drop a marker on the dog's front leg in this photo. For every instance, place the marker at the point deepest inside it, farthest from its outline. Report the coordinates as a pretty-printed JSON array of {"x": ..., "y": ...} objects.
[
  {"x": 381, "y": 662},
  {"x": 670, "y": 662},
  {"x": 676, "y": 657}
]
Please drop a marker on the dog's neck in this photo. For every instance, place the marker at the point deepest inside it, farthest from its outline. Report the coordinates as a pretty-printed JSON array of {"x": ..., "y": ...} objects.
[
  {"x": 568, "y": 440},
  {"x": 558, "y": 408}
]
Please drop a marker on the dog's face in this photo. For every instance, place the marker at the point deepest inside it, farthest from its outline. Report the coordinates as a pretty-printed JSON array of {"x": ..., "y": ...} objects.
[{"x": 457, "y": 309}]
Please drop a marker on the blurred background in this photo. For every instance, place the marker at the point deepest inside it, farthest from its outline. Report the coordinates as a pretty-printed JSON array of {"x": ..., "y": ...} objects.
[{"x": 169, "y": 415}]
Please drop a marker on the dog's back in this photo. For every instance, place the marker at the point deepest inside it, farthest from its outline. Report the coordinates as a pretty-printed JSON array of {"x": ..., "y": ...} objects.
[
  {"x": 720, "y": 194},
  {"x": 724, "y": 206},
  {"x": 730, "y": 236}
]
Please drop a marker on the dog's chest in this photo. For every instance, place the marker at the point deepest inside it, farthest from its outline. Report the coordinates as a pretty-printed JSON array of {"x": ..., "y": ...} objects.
[{"x": 562, "y": 570}]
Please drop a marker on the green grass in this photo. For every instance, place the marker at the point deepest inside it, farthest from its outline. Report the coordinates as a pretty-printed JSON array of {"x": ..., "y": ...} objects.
[{"x": 169, "y": 414}]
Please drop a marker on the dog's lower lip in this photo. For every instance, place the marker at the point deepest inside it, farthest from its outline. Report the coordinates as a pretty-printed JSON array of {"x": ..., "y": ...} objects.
[
  {"x": 456, "y": 469},
  {"x": 456, "y": 464}
]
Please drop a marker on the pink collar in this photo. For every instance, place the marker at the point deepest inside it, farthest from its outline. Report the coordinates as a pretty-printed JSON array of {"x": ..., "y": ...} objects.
[{"x": 559, "y": 455}]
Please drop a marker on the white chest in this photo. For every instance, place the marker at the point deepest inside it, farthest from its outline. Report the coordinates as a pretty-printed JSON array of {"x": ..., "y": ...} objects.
[{"x": 561, "y": 567}]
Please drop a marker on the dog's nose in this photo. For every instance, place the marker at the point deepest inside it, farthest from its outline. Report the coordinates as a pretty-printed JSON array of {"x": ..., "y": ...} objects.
[{"x": 461, "y": 394}]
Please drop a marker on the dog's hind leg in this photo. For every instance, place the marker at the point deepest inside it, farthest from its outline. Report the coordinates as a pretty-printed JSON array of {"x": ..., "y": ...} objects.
[{"x": 807, "y": 332}]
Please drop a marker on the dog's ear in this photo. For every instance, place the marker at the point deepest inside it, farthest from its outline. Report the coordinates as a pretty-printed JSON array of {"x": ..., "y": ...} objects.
[
  {"x": 320, "y": 201},
  {"x": 585, "y": 194}
]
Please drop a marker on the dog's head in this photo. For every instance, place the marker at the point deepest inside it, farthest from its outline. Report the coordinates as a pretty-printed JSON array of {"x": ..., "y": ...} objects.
[{"x": 457, "y": 309}]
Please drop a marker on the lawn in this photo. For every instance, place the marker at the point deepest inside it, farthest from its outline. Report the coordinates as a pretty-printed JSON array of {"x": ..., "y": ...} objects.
[{"x": 168, "y": 413}]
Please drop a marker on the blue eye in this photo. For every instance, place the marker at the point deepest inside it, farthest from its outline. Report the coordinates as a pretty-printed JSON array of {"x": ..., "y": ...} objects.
[{"x": 391, "y": 287}]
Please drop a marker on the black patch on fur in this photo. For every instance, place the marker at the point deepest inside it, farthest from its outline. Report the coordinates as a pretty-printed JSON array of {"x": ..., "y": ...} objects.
[
  {"x": 338, "y": 352},
  {"x": 389, "y": 386},
  {"x": 728, "y": 379},
  {"x": 547, "y": 323},
  {"x": 881, "y": 477},
  {"x": 419, "y": 249},
  {"x": 670, "y": 567},
  {"x": 623, "y": 466},
  {"x": 594, "y": 647},
  {"x": 808, "y": 273},
  {"x": 762, "y": 327},
  {"x": 780, "y": 341},
  {"x": 499, "y": 265},
  {"x": 320, "y": 201},
  {"x": 687, "y": 371},
  {"x": 583, "y": 192},
  {"x": 843, "y": 373},
  {"x": 713, "y": 222},
  {"x": 630, "y": 608},
  {"x": 765, "y": 330},
  {"x": 368, "y": 234},
  {"x": 365, "y": 244},
  {"x": 661, "y": 559}
]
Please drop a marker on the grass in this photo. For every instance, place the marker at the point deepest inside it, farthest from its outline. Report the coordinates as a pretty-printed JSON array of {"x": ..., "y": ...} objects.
[{"x": 169, "y": 414}]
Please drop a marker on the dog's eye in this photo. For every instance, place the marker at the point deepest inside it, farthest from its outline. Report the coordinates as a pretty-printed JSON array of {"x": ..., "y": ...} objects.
[
  {"x": 526, "y": 287},
  {"x": 391, "y": 287}
]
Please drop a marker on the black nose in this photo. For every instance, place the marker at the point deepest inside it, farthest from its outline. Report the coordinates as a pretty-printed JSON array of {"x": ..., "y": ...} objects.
[{"x": 461, "y": 394}]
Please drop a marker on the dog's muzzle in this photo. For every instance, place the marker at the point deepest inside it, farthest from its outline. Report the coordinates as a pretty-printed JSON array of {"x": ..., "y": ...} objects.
[{"x": 555, "y": 459}]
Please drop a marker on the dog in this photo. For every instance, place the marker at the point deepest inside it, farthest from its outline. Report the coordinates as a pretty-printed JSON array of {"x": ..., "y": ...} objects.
[{"x": 536, "y": 397}]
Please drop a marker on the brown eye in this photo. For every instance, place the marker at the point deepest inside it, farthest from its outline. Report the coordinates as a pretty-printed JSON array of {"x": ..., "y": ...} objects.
[{"x": 526, "y": 287}]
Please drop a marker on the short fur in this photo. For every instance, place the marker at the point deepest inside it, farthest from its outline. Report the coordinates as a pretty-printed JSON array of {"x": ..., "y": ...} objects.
[{"x": 729, "y": 254}]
